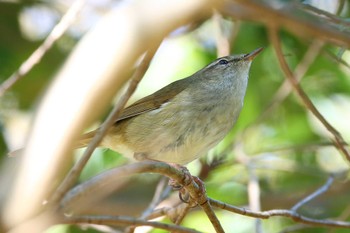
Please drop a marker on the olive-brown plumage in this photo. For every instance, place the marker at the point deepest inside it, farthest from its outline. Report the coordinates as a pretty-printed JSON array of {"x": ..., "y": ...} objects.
[{"x": 185, "y": 119}]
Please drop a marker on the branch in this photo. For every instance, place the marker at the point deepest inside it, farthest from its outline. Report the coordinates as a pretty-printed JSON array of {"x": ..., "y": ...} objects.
[
  {"x": 182, "y": 213},
  {"x": 83, "y": 89},
  {"x": 38, "y": 54},
  {"x": 107, "y": 179},
  {"x": 283, "y": 213},
  {"x": 161, "y": 192},
  {"x": 339, "y": 141},
  {"x": 332, "y": 18},
  {"x": 74, "y": 173},
  {"x": 121, "y": 220},
  {"x": 285, "y": 89},
  {"x": 71, "y": 201},
  {"x": 289, "y": 16},
  {"x": 313, "y": 195}
]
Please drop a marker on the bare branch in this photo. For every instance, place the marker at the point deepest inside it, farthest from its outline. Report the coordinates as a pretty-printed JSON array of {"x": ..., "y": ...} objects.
[
  {"x": 339, "y": 141},
  {"x": 315, "y": 194},
  {"x": 212, "y": 217},
  {"x": 107, "y": 178},
  {"x": 38, "y": 54},
  {"x": 332, "y": 18},
  {"x": 121, "y": 220},
  {"x": 283, "y": 213},
  {"x": 285, "y": 89},
  {"x": 182, "y": 214},
  {"x": 162, "y": 190}
]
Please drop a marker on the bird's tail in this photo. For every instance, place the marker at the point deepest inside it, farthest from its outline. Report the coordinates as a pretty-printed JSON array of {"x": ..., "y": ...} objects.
[
  {"x": 83, "y": 142},
  {"x": 85, "y": 139}
]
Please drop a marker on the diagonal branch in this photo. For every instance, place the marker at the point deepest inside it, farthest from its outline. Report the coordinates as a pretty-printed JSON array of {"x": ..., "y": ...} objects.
[
  {"x": 161, "y": 192},
  {"x": 285, "y": 89},
  {"x": 315, "y": 194},
  {"x": 74, "y": 173},
  {"x": 38, "y": 54},
  {"x": 339, "y": 141}
]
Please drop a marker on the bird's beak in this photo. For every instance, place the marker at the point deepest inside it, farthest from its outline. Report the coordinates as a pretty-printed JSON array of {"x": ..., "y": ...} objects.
[{"x": 250, "y": 56}]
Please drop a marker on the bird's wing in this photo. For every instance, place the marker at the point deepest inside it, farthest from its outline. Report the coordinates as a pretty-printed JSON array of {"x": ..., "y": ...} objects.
[{"x": 155, "y": 100}]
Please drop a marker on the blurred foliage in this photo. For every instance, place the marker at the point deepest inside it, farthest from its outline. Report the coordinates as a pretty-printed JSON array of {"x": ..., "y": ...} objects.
[{"x": 287, "y": 171}]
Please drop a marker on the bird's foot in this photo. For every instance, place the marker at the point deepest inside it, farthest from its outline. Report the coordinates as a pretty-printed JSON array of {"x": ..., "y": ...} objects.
[{"x": 188, "y": 179}]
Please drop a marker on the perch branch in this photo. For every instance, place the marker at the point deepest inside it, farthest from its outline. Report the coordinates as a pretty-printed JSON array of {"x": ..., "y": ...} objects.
[
  {"x": 108, "y": 178},
  {"x": 283, "y": 213},
  {"x": 121, "y": 220}
]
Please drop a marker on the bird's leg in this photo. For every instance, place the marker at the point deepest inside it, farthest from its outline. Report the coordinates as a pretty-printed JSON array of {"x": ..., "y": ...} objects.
[
  {"x": 183, "y": 194},
  {"x": 187, "y": 179}
]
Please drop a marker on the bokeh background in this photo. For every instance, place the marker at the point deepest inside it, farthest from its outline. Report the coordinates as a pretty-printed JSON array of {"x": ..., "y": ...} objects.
[{"x": 277, "y": 143}]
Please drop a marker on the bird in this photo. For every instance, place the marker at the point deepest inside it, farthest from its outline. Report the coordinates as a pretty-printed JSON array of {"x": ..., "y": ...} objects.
[{"x": 183, "y": 120}]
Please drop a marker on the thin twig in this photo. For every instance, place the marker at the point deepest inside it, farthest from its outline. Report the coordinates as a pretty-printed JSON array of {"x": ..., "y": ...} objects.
[
  {"x": 121, "y": 220},
  {"x": 339, "y": 141},
  {"x": 279, "y": 212},
  {"x": 285, "y": 89},
  {"x": 331, "y": 17},
  {"x": 336, "y": 58},
  {"x": 266, "y": 215},
  {"x": 305, "y": 146},
  {"x": 38, "y": 54},
  {"x": 162, "y": 190},
  {"x": 315, "y": 194},
  {"x": 182, "y": 214},
  {"x": 74, "y": 173}
]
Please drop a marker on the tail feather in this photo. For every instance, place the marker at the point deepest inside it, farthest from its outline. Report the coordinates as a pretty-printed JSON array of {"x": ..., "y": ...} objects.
[{"x": 85, "y": 139}]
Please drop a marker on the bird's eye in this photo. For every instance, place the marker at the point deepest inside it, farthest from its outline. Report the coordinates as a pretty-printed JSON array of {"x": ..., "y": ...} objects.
[{"x": 223, "y": 62}]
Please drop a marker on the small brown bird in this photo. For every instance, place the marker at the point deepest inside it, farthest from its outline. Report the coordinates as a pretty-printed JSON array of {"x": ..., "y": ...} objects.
[{"x": 185, "y": 119}]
